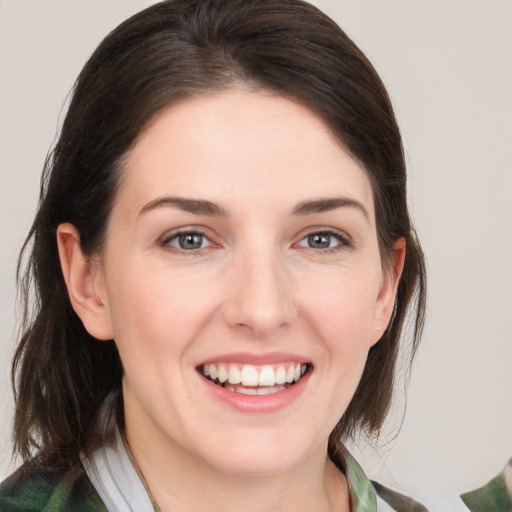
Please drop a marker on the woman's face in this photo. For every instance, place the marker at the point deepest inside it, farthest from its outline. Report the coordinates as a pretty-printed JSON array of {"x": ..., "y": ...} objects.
[{"x": 241, "y": 246}]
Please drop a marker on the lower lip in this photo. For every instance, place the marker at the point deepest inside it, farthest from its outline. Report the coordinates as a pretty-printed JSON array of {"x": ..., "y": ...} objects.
[{"x": 257, "y": 403}]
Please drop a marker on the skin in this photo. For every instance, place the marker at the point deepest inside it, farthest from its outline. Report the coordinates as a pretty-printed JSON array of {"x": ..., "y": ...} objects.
[{"x": 256, "y": 285}]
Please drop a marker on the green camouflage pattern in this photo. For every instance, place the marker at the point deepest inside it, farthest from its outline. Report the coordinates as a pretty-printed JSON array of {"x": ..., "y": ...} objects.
[
  {"x": 364, "y": 492},
  {"x": 34, "y": 488},
  {"x": 37, "y": 488},
  {"x": 495, "y": 496},
  {"x": 361, "y": 489}
]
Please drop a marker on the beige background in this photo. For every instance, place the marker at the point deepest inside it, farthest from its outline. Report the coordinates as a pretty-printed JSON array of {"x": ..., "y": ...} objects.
[{"x": 448, "y": 67}]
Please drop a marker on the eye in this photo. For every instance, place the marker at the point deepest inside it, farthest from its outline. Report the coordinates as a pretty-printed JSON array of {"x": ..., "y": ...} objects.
[
  {"x": 324, "y": 240},
  {"x": 189, "y": 241}
]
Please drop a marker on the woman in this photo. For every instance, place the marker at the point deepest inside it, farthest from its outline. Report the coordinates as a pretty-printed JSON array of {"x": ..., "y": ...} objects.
[{"x": 224, "y": 262}]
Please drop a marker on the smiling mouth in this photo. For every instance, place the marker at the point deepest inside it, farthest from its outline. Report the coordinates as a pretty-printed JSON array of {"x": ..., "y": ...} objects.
[{"x": 249, "y": 379}]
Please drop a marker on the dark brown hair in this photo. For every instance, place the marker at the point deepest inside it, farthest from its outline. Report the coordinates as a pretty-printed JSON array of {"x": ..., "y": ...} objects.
[{"x": 164, "y": 54}]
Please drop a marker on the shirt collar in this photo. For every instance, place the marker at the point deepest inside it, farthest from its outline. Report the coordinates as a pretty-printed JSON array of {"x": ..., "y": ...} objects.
[{"x": 362, "y": 492}]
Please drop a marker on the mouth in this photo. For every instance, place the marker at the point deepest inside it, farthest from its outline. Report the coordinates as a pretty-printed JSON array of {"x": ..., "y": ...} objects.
[{"x": 250, "y": 379}]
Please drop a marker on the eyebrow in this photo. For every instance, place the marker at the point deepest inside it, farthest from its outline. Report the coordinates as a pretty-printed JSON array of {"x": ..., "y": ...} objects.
[
  {"x": 195, "y": 206},
  {"x": 203, "y": 207},
  {"x": 329, "y": 204}
]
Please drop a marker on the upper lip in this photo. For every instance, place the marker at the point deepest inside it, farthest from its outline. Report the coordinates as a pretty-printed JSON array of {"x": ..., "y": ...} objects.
[{"x": 256, "y": 359}]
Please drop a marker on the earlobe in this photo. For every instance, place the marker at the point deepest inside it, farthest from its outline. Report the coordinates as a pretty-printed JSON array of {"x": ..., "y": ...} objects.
[
  {"x": 84, "y": 283},
  {"x": 386, "y": 299}
]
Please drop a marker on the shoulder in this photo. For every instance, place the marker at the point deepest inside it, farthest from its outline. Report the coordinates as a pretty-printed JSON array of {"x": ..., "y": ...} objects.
[{"x": 36, "y": 487}]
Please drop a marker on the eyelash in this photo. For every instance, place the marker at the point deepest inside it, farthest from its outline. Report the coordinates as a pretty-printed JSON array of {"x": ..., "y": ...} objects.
[{"x": 344, "y": 242}]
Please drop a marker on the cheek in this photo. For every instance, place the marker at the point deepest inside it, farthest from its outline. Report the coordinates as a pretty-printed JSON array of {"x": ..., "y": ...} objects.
[
  {"x": 157, "y": 312},
  {"x": 339, "y": 314},
  {"x": 342, "y": 317},
  {"x": 343, "y": 307},
  {"x": 154, "y": 319}
]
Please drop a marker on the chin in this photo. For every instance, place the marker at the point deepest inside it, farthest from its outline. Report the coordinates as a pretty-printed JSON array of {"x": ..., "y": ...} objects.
[
  {"x": 258, "y": 455},
  {"x": 256, "y": 466}
]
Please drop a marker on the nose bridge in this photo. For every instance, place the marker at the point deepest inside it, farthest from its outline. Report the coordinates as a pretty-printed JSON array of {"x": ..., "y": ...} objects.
[{"x": 260, "y": 298}]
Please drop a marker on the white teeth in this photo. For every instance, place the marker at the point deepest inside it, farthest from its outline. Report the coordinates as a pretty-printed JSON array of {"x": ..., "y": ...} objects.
[
  {"x": 234, "y": 374},
  {"x": 249, "y": 391},
  {"x": 271, "y": 390},
  {"x": 255, "y": 391},
  {"x": 249, "y": 375},
  {"x": 281, "y": 375},
  {"x": 223, "y": 374},
  {"x": 297, "y": 374},
  {"x": 267, "y": 376}
]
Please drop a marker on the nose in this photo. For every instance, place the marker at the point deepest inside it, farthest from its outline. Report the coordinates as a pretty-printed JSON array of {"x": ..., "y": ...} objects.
[{"x": 259, "y": 299}]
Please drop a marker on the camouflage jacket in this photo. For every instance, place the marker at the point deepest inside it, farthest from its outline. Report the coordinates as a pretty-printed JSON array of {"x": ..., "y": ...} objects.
[{"x": 34, "y": 488}]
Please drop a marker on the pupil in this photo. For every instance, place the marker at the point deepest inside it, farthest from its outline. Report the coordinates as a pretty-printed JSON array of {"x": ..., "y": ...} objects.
[
  {"x": 319, "y": 240},
  {"x": 191, "y": 241}
]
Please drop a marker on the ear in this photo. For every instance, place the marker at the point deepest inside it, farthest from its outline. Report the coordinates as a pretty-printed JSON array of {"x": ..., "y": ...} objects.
[
  {"x": 385, "y": 302},
  {"x": 85, "y": 284}
]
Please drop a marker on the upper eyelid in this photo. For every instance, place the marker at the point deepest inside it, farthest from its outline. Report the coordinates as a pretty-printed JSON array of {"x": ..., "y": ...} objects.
[
  {"x": 172, "y": 233},
  {"x": 327, "y": 230},
  {"x": 177, "y": 234}
]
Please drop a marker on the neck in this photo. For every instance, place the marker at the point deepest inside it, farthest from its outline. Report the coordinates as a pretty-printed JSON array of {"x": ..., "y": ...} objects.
[{"x": 188, "y": 484}]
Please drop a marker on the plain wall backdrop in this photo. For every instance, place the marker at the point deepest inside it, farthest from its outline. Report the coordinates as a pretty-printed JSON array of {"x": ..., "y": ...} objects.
[{"x": 448, "y": 67}]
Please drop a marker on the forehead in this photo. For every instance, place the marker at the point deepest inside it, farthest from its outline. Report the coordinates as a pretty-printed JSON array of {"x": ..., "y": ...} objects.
[{"x": 241, "y": 147}]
